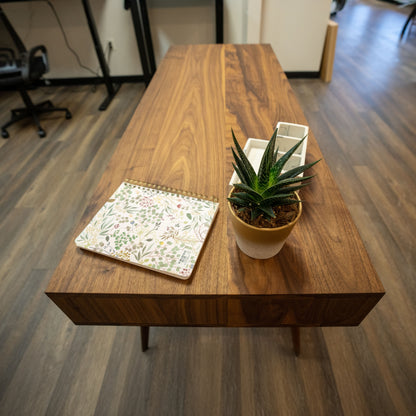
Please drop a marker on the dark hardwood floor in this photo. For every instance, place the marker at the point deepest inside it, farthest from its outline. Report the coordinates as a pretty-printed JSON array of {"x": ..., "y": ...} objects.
[{"x": 364, "y": 121}]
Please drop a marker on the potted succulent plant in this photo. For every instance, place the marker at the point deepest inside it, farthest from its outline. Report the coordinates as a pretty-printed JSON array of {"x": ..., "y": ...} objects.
[{"x": 265, "y": 206}]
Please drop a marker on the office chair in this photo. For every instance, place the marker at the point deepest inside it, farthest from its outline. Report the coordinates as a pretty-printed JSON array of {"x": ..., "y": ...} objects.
[
  {"x": 410, "y": 19},
  {"x": 19, "y": 69}
]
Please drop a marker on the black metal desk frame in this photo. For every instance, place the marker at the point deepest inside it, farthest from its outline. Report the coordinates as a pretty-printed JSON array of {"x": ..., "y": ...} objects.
[
  {"x": 111, "y": 88},
  {"x": 141, "y": 25},
  {"x": 140, "y": 18}
]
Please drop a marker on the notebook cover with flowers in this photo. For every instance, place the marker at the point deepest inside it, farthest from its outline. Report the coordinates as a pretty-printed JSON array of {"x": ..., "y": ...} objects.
[{"x": 158, "y": 228}]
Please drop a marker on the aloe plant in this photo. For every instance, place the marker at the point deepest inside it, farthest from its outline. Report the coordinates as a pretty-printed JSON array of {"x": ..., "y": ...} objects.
[{"x": 268, "y": 188}]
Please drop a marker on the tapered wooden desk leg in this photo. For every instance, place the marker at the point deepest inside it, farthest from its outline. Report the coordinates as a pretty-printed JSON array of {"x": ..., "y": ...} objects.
[
  {"x": 296, "y": 339},
  {"x": 144, "y": 334}
]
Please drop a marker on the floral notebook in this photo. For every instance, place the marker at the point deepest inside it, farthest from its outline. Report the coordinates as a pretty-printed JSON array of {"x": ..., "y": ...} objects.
[{"x": 151, "y": 226}]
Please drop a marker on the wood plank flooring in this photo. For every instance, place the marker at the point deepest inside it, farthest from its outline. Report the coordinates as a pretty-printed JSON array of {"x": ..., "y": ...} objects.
[{"x": 364, "y": 121}]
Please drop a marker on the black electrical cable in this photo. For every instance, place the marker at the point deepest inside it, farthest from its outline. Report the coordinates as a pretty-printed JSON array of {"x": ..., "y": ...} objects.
[{"x": 66, "y": 40}]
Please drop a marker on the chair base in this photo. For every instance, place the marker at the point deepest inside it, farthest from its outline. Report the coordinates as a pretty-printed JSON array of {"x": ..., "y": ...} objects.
[{"x": 33, "y": 111}]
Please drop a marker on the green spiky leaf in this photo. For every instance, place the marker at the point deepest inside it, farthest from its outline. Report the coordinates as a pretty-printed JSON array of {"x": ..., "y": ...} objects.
[
  {"x": 292, "y": 173},
  {"x": 277, "y": 168},
  {"x": 246, "y": 188},
  {"x": 267, "y": 211},
  {"x": 266, "y": 163},
  {"x": 260, "y": 193},
  {"x": 244, "y": 164}
]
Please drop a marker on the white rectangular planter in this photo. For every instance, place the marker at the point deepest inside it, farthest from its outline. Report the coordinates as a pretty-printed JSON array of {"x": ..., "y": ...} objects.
[
  {"x": 254, "y": 150},
  {"x": 288, "y": 135}
]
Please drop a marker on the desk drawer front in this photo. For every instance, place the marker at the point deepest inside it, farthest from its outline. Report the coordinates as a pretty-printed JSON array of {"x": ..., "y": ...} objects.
[
  {"x": 154, "y": 311},
  {"x": 331, "y": 310},
  {"x": 217, "y": 311}
]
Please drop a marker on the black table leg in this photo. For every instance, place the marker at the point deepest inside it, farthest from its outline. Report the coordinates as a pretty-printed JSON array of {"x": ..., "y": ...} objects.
[
  {"x": 111, "y": 89},
  {"x": 144, "y": 334},
  {"x": 219, "y": 21},
  {"x": 139, "y": 16},
  {"x": 148, "y": 36},
  {"x": 296, "y": 339}
]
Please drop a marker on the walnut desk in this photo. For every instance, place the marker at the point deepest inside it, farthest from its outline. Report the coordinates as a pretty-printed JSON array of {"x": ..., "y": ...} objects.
[{"x": 180, "y": 137}]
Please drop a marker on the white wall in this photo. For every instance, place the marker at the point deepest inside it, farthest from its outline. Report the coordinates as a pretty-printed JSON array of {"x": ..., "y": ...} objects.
[
  {"x": 295, "y": 28},
  {"x": 36, "y": 24}
]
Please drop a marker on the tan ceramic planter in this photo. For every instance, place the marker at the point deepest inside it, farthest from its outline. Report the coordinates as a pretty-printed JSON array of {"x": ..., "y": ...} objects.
[{"x": 260, "y": 243}]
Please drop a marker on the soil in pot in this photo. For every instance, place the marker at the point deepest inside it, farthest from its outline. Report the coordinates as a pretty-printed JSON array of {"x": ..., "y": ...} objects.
[{"x": 285, "y": 214}]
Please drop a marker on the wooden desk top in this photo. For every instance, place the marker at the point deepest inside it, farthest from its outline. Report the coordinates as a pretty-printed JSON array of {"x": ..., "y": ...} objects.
[{"x": 180, "y": 136}]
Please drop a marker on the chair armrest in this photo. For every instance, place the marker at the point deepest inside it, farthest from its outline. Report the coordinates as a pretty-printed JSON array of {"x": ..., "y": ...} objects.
[
  {"x": 30, "y": 59},
  {"x": 6, "y": 56},
  {"x": 44, "y": 56}
]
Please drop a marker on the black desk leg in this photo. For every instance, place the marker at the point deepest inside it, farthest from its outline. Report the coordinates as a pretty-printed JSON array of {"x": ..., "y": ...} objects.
[
  {"x": 148, "y": 36},
  {"x": 219, "y": 21},
  {"x": 111, "y": 89},
  {"x": 296, "y": 339},
  {"x": 144, "y": 335},
  {"x": 141, "y": 25},
  {"x": 142, "y": 43}
]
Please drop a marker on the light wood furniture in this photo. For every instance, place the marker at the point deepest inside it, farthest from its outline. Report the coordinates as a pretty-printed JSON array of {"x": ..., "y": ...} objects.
[
  {"x": 328, "y": 55},
  {"x": 180, "y": 136}
]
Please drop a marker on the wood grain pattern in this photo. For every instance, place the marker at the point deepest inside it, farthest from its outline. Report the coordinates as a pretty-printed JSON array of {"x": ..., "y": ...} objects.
[
  {"x": 234, "y": 311},
  {"x": 323, "y": 275}
]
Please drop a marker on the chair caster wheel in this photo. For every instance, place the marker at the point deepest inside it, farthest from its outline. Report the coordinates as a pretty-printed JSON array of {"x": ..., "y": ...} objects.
[
  {"x": 41, "y": 133},
  {"x": 4, "y": 134},
  {"x": 68, "y": 115}
]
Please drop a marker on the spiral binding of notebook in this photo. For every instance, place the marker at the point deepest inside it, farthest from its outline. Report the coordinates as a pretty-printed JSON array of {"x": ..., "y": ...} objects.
[{"x": 171, "y": 190}]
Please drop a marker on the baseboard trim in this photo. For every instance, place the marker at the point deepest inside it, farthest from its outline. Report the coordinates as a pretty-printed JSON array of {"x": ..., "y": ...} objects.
[
  {"x": 302, "y": 74},
  {"x": 137, "y": 78},
  {"x": 88, "y": 80}
]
